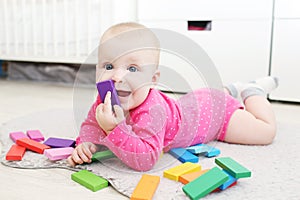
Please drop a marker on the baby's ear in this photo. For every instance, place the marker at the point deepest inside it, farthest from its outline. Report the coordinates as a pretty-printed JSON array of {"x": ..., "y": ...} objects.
[{"x": 156, "y": 76}]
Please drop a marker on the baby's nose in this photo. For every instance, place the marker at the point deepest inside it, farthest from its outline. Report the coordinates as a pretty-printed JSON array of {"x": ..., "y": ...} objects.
[{"x": 118, "y": 76}]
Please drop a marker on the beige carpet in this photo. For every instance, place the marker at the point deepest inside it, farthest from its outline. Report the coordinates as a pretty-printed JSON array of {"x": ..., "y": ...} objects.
[{"x": 275, "y": 168}]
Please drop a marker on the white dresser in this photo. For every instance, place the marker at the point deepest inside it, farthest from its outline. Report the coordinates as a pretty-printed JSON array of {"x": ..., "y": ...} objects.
[
  {"x": 237, "y": 37},
  {"x": 285, "y": 62}
]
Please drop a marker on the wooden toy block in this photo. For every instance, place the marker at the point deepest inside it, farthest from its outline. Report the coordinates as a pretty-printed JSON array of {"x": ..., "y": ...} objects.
[
  {"x": 58, "y": 153},
  {"x": 17, "y": 135},
  {"x": 233, "y": 168},
  {"x": 218, "y": 189},
  {"x": 32, "y": 145},
  {"x": 15, "y": 152},
  {"x": 213, "y": 152},
  {"x": 145, "y": 188},
  {"x": 199, "y": 148},
  {"x": 186, "y": 178},
  {"x": 102, "y": 155},
  {"x": 59, "y": 142},
  {"x": 208, "y": 151},
  {"x": 183, "y": 155},
  {"x": 89, "y": 180},
  {"x": 105, "y": 86},
  {"x": 229, "y": 182},
  {"x": 35, "y": 135},
  {"x": 205, "y": 184},
  {"x": 179, "y": 170}
]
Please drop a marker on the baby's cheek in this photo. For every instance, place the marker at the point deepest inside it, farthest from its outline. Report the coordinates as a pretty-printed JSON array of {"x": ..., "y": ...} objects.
[
  {"x": 101, "y": 75},
  {"x": 98, "y": 74},
  {"x": 140, "y": 81}
]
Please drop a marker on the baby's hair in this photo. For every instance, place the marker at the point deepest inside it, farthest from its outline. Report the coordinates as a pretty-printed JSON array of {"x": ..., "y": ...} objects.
[
  {"x": 124, "y": 27},
  {"x": 131, "y": 36}
]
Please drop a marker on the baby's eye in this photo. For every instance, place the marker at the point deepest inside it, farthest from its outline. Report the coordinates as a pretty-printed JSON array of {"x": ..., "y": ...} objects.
[
  {"x": 132, "y": 69},
  {"x": 108, "y": 66}
]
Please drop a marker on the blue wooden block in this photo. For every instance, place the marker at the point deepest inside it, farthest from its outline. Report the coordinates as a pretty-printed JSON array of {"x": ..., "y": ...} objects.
[
  {"x": 199, "y": 148},
  {"x": 183, "y": 155},
  {"x": 230, "y": 180},
  {"x": 203, "y": 148},
  {"x": 213, "y": 152}
]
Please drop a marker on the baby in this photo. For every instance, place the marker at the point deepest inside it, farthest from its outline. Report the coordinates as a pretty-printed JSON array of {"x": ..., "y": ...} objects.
[{"x": 148, "y": 122}]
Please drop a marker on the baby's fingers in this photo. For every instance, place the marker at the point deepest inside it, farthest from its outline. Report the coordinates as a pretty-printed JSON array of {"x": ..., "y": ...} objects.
[
  {"x": 75, "y": 157},
  {"x": 83, "y": 154},
  {"x": 107, "y": 102},
  {"x": 93, "y": 148},
  {"x": 71, "y": 161},
  {"x": 119, "y": 114}
]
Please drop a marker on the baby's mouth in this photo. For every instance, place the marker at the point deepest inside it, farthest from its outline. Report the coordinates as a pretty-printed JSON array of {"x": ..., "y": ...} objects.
[{"x": 123, "y": 93}]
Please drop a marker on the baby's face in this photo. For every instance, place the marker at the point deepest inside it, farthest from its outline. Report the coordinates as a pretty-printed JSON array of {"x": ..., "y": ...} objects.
[{"x": 133, "y": 73}]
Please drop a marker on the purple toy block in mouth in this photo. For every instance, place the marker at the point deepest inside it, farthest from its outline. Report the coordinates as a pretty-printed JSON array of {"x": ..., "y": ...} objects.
[{"x": 105, "y": 86}]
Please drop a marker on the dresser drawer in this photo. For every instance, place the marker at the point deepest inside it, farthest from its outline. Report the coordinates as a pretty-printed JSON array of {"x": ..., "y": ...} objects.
[
  {"x": 204, "y": 9},
  {"x": 287, "y": 9}
]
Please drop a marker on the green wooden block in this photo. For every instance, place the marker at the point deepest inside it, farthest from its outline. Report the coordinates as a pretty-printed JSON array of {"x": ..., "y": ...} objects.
[
  {"x": 205, "y": 183},
  {"x": 89, "y": 180},
  {"x": 102, "y": 155},
  {"x": 233, "y": 168}
]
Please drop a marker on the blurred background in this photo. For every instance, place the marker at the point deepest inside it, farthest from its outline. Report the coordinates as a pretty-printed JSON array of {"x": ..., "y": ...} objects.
[{"x": 48, "y": 40}]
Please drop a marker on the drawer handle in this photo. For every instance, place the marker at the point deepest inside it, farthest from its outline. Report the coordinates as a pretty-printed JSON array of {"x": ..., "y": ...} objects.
[{"x": 199, "y": 25}]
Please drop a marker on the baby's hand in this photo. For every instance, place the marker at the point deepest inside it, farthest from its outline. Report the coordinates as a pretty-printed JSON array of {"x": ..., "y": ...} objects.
[
  {"x": 82, "y": 153},
  {"x": 106, "y": 118}
]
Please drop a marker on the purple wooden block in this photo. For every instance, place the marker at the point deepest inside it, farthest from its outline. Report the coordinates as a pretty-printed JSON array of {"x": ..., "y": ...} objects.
[
  {"x": 59, "y": 142},
  {"x": 105, "y": 86},
  {"x": 17, "y": 135},
  {"x": 35, "y": 135}
]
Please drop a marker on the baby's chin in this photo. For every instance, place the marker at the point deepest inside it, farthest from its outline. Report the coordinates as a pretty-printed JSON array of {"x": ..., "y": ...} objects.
[
  {"x": 127, "y": 105},
  {"x": 124, "y": 103}
]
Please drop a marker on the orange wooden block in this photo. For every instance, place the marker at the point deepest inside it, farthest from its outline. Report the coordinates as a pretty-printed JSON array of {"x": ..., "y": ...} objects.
[
  {"x": 186, "y": 178},
  {"x": 32, "y": 145},
  {"x": 15, "y": 152},
  {"x": 146, "y": 187}
]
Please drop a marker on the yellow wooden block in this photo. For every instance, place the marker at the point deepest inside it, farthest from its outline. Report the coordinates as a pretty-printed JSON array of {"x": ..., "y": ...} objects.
[
  {"x": 146, "y": 187},
  {"x": 179, "y": 170}
]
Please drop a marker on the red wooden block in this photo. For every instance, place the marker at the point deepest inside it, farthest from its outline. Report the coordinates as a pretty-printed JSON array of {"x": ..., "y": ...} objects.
[
  {"x": 219, "y": 190},
  {"x": 32, "y": 145},
  {"x": 15, "y": 152}
]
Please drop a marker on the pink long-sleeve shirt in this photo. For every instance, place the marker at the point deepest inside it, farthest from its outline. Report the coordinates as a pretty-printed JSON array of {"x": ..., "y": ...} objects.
[{"x": 161, "y": 123}]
